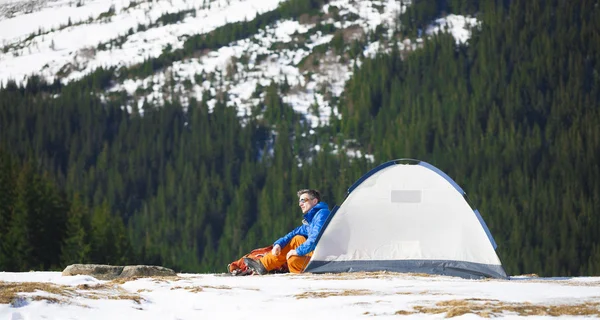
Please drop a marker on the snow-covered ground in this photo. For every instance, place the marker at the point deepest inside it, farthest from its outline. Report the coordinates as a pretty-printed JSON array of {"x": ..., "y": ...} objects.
[{"x": 306, "y": 296}]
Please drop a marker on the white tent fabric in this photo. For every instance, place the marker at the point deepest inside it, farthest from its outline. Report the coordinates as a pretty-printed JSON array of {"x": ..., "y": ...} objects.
[{"x": 407, "y": 218}]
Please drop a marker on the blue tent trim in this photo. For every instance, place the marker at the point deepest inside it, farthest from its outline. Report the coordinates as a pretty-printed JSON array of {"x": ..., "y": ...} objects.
[
  {"x": 444, "y": 175},
  {"x": 368, "y": 174},
  {"x": 487, "y": 231},
  {"x": 463, "y": 269}
]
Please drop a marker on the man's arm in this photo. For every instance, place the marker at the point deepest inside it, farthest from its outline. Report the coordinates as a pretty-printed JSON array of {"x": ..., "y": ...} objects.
[
  {"x": 283, "y": 241},
  {"x": 315, "y": 227}
]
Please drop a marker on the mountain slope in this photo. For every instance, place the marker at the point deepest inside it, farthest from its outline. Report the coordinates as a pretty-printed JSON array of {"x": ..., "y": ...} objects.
[{"x": 312, "y": 55}]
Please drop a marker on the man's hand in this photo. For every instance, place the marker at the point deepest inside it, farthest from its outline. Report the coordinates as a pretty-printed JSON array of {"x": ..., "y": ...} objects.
[
  {"x": 276, "y": 250},
  {"x": 291, "y": 253}
]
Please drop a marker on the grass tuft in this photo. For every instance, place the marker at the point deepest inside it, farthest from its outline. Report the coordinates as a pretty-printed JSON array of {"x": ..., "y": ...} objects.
[
  {"x": 326, "y": 294},
  {"x": 493, "y": 308},
  {"x": 11, "y": 292},
  {"x": 157, "y": 279}
]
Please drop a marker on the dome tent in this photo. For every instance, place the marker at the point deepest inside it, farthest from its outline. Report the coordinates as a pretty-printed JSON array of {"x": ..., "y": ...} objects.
[{"x": 406, "y": 216}]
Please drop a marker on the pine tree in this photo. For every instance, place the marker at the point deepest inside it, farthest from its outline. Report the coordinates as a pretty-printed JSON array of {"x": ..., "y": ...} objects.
[
  {"x": 75, "y": 248},
  {"x": 16, "y": 245},
  {"x": 7, "y": 199}
]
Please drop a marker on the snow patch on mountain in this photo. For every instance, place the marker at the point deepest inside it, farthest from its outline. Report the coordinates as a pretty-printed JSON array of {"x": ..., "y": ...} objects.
[
  {"x": 270, "y": 58},
  {"x": 68, "y": 39},
  {"x": 72, "y": 48},
  {"x": 458, "y": 26}
]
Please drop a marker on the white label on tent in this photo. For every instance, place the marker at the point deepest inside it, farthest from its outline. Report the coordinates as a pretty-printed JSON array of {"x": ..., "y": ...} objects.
[{"x": 406, "y": 196}]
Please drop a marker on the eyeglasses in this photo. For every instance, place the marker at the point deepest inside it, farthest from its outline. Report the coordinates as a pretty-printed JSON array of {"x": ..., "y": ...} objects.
[{"x": 303, "y": 200}]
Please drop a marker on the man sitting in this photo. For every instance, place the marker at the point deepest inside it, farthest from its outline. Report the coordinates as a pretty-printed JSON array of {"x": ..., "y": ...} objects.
[{"x": 297, "y": 246}]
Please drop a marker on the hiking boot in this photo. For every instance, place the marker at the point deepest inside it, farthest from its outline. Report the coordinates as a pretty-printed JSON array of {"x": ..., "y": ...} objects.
[{"x": 256, "y": 266}]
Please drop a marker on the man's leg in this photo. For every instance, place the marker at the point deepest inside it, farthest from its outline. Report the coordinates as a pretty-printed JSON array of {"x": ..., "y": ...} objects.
[
  {"x": 271, "y": 262},
  {"x": 296, "y": 264}
]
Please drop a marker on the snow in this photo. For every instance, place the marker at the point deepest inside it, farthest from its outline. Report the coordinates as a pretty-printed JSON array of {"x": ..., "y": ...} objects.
[
  {"x": 372, "y": 49},
  {"x": 52, "y": 15},
  {"x": 309, "y": 86},
  {"x": 304, "y": 296},
  {"x": 76, "y": 45},
  {"x": 274, "y": 54},
  {"x": 73, "y": 50},
  {"x": 458, "y": 26}
]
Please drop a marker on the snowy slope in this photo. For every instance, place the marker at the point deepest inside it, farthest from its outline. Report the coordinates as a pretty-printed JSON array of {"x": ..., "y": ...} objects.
[
  {"x": 60, "y": 44},
  {"x": 68, "y": 39},
  {"x": 270, "y": 59},
  {"x": 307, "y": 296}
]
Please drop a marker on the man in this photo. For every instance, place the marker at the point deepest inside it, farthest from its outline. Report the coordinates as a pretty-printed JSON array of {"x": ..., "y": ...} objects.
[{"x": 296, "y": 247}]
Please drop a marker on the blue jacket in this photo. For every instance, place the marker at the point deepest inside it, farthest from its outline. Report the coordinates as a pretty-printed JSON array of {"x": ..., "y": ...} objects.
[{"x": 315, "y": 219}]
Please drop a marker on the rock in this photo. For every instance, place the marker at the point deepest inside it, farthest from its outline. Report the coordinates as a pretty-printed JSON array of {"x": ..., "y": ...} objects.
[
  {"x": 108, "y": 272},
  {"x": 146, "y": 271},
  {"x": 98, "y": 271}
]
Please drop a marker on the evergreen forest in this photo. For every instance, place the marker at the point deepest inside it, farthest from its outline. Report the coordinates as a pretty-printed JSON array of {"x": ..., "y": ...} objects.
[{"x": 512, "y": 116}]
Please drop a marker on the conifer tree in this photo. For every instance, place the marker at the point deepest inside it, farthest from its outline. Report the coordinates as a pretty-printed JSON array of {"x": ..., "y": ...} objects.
[
  {"x": 16, "y": 245},
  {"x": 75, "y": 248}
]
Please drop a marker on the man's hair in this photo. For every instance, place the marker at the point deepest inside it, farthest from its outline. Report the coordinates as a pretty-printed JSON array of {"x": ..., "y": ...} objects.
[{"x": 313, "y": 194}]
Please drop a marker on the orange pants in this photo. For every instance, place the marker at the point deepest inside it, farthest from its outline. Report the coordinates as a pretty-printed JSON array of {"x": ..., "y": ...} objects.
[{"x": 296, "y": 264}]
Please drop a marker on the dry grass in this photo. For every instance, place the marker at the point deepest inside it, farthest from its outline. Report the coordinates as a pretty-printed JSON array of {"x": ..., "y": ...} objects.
[
  {"x": 95, "y": 286},
  {"x": 50, "y": 299},
  {"x": 404, "y": 293},
  {"x": 196, "y": 289},
  {"x": 583, "y": 284},
  {"x": 110, "y": 291},
  {"x": 156, "y": 279},
  {"x": 219, "y": 287},
  {"x": 422, "y": 275},
  {"x": 116, "y": 294},
  {"x": 192, "y": 289},
  {"x": 10, "y": 292},
  {"x": 251, "y": 289},
  {"x": 130, "y": 296},
  {"x": 564, "y": 282},
  {"x": 428, "y": 293},
  {"x": 403, "y": 312},
  {"x": 568, "y": 283},
  {"x": 120, "y": 281},
  {"x": 326, "y": 294},
  {"x": 492, "y": 308}
]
